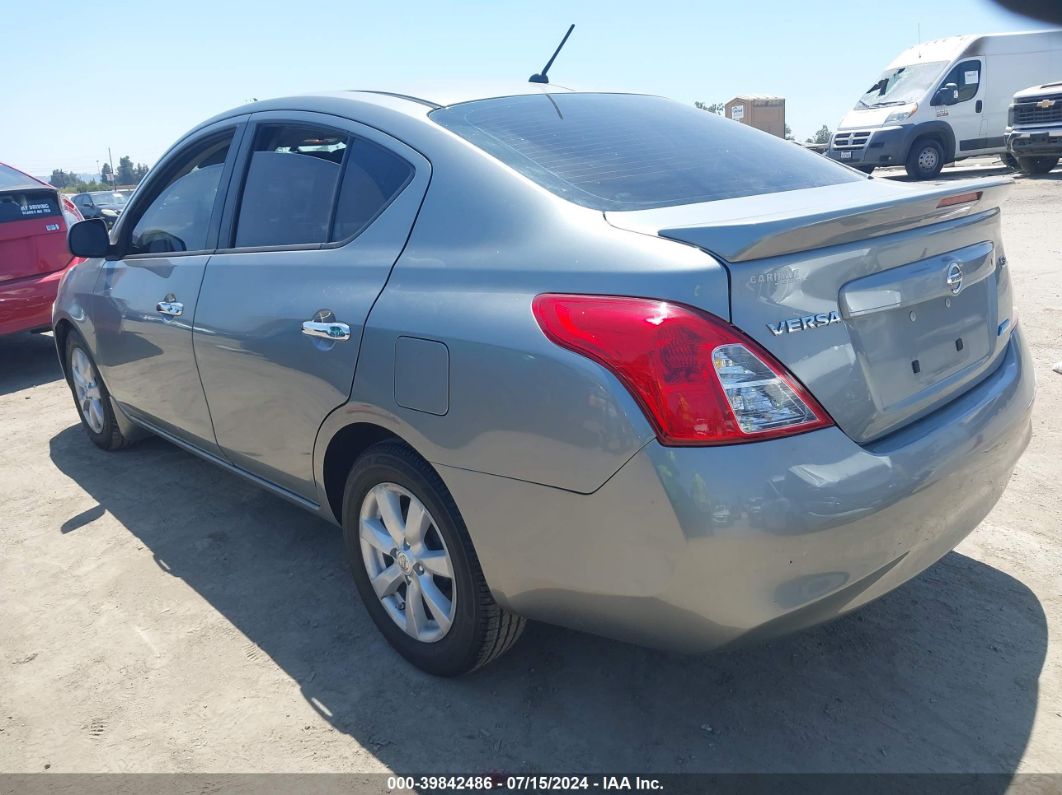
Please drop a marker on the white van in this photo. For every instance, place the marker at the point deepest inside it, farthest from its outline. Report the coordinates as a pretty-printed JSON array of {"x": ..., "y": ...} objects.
[{"x": 944, "y": 100}]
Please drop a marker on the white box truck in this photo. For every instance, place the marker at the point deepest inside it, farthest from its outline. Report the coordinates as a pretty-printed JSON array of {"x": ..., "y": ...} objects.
[{"x": 944, "y": 100}]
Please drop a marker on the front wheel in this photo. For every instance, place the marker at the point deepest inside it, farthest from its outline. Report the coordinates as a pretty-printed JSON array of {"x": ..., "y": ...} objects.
[
  {"x": 1010, "y": 161},
  {"x": 925, "y": 159},
  {"x": 91, "y": 396},
  {"x": 1037, "y": 166},
  {"x": 415, "y": 567}
]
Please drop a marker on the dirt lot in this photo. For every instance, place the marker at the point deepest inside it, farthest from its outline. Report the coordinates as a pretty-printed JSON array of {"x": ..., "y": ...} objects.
[{"x": 157, "y": 614}]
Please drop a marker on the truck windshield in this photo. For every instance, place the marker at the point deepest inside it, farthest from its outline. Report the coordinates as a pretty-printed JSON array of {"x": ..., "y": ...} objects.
[{"x": 902, "y": 84}]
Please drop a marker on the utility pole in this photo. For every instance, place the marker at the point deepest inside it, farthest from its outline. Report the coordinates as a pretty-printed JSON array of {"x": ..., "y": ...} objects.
[{"x": 110, "y": 161}]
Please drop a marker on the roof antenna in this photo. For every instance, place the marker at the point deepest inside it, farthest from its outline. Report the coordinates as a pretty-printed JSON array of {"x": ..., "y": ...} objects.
[{"x": 541, "y": 77}]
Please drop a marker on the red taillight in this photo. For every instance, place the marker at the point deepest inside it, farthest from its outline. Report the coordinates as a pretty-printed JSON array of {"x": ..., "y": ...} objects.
[{"x": 699, "y": 380}]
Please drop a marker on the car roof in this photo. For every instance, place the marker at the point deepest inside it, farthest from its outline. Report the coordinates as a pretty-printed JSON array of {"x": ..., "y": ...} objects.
[{"x": 406, "y": 100}]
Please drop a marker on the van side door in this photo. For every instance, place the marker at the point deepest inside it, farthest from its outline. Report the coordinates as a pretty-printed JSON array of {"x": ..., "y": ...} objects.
[
  {"x": 966, "y": 116},
  {"x": 324, "y": 208}
]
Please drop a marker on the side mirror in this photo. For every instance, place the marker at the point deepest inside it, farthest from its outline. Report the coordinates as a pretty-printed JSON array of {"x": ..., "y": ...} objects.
[
  {"x": 947, "y": 94},
  {"x": 89, "y": 239}
]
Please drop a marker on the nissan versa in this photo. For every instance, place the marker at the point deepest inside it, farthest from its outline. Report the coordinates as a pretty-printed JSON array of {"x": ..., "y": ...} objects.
[{"x": 601, "y": 360}]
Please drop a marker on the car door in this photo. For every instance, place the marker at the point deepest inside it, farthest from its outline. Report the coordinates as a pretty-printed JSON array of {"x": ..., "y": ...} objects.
[
  {"x": 325, "y": 207},
  {"x": 147, "y": 291},
  {"x": 966, "y": 116}
]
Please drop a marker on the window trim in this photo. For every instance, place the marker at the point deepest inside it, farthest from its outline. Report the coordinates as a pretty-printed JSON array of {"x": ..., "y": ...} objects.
[
  {"x": 161, "y": 177},
  {"x": 231, "y": 216}
]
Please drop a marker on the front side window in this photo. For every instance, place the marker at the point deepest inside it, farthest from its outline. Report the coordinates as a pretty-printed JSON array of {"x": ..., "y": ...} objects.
[
  {"x": 967, "y": 76},
  {"x": 291, "y": 185},
  {"x": 633, "y": 152},
  {"x": 178, "y": 218}
]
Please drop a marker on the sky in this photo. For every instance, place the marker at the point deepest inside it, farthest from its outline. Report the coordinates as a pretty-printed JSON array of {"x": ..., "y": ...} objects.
[{"x": 135, "y": 75}]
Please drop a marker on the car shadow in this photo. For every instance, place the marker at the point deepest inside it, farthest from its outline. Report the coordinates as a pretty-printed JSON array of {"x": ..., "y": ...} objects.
[
  {"x": 27, "y": 360},
  {"x": 940, "y": 675}
]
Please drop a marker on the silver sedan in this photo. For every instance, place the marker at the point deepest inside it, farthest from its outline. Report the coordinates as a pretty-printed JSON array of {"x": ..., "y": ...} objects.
[{"x": 595, "y": 359}]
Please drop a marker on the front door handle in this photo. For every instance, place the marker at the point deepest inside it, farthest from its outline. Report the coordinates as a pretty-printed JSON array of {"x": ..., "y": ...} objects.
[
  {"x": 170, "y": 307},
  {"x": 333, "y": 330}
]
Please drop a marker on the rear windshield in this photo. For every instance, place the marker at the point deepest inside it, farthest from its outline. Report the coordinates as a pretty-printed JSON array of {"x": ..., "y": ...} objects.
[
  {"x": 633, "y": 152},
  {"x": 24, "y": 205},
  {"x": 9, "y": 178}
]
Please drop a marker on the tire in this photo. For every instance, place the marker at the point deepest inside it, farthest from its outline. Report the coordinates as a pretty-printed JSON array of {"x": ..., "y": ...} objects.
[
  {"x": 91, "y": 397},
  {"x": 1037, "y": 166},
  {"x": 479, "y": 630},
  {"x": 1010, "y": 161},
  {"x": 925, "y": 160}
]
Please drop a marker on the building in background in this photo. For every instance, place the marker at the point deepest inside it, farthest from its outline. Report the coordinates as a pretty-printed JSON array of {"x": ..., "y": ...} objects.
[{"x": 763, "y": 113}]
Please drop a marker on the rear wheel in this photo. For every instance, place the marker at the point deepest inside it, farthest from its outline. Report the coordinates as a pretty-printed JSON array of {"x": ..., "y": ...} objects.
[
  {"x": 91, "y": 396},
  {"x": 925, "y": 159},
  {"x": 415, "y": 567},
  {"x": 1037, "y": 166}
]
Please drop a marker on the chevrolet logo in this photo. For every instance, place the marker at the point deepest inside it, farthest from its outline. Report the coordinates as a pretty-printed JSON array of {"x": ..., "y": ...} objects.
[{"x": 1045, "y": 103}]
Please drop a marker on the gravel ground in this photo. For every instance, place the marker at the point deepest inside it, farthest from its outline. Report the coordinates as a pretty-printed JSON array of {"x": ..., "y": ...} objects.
[{"x": 158, "y": 615}]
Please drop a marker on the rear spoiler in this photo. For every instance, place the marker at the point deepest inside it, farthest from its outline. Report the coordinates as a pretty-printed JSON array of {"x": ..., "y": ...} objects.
[{"x": 770, "y": 225}]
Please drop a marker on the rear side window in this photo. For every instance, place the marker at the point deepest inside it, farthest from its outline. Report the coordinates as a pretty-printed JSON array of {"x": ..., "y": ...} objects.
[
  {"x": 631, "y": 152},
  {"x": 372, "y": 177},
  {"x": 178, "y": 218},
  {"x": 967, "y": 76},
  {"x": 309, "y": 186},
  {"x": 291, "y": 186}
]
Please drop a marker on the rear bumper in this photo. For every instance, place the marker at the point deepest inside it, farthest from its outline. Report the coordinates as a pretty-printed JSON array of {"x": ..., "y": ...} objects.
[
  {"x": 26, "y": 304},
  {"x": 699, "y": 548},
  {"x": 1034, "y": 142}
]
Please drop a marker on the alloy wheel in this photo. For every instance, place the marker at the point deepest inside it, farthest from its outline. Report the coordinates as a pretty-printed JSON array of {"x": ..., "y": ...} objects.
[
  {"x": 87, "y": 388},
  {"x": 407, "y": 561}
]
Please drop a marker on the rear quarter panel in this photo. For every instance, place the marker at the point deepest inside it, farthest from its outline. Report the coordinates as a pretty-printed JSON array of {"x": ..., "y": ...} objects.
[{"x": 487, "y": 241}]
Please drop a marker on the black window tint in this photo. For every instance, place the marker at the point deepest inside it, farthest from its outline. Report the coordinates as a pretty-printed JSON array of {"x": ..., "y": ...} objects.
[
  {"x": 178, "y": 218},
  {"x": 967, "y": 76},
  {"x": 372, "y": 177},
  {"x": 26, "y": 205},
  {"x": 290, "y": 188},
  {"x": 630, "y": 152}
]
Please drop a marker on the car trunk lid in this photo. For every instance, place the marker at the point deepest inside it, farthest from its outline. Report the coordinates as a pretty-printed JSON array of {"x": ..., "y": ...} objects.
[
  {"x": 32, "y": 232},
  {"x": 885, "y": 299}
]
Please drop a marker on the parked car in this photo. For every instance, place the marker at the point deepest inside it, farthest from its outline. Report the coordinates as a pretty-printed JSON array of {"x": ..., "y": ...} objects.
[
  {"x": 945, "y": 100},
  {"x": 601, "y": 360},
  {"x": 104, "y": 204},
  {"x": 1034, "y": 128},
  {"x": 34, "y": 219}
]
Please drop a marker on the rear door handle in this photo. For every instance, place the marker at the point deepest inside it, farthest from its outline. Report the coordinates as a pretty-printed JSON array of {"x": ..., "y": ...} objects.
[
  {"x": 333, "y": 330},
  {"x": 171, "y": 308}
]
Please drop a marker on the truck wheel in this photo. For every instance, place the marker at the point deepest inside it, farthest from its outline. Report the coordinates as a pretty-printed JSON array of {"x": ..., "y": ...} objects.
[
  {"x": 1036, "y": 166},
  {"x": 925, "y": 160},
  {"x": 1010, "y": 161},
  {"x": 415, "y": 567}
]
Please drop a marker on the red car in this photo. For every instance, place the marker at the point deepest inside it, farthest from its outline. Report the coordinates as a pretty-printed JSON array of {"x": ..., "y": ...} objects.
[{"x": 34, "y": 218}]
